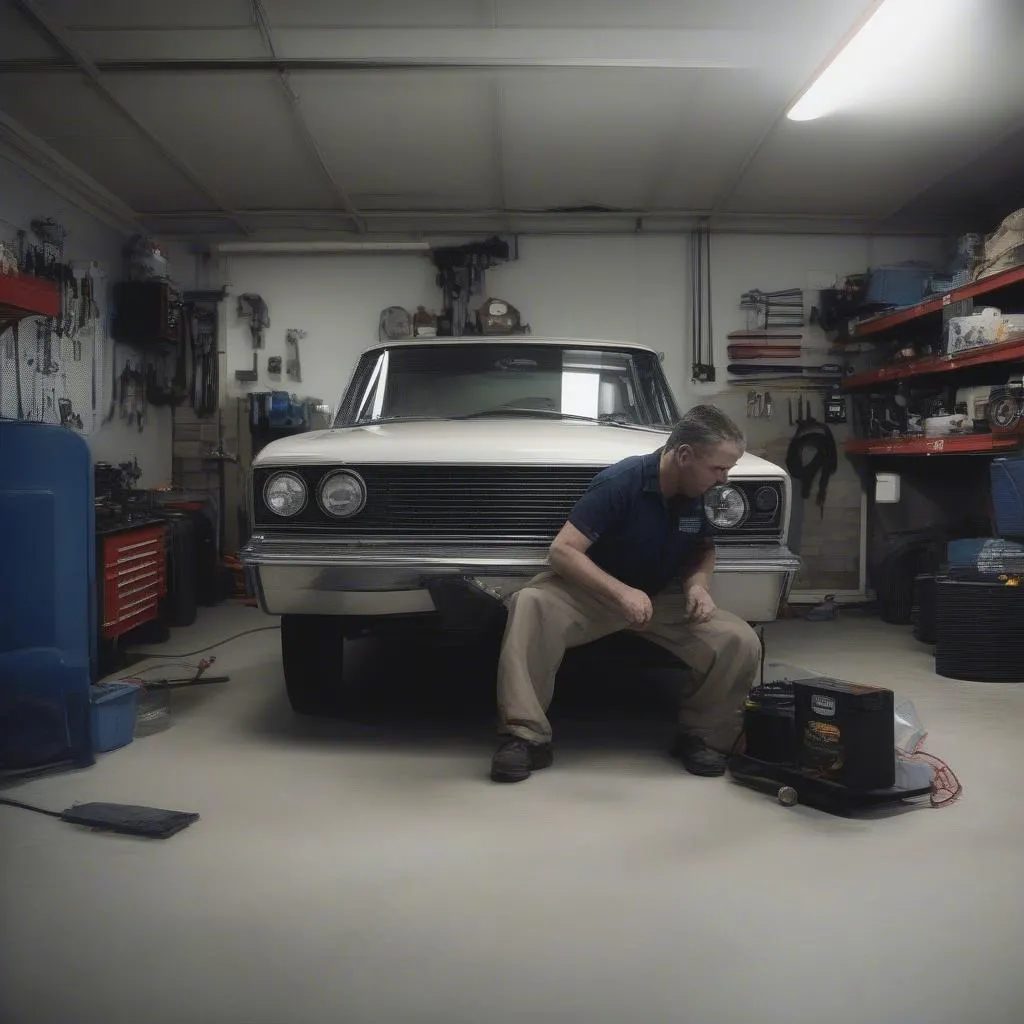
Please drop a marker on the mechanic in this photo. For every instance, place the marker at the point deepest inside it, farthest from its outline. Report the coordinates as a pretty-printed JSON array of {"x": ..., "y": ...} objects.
[{"x": 636, "y": 553}]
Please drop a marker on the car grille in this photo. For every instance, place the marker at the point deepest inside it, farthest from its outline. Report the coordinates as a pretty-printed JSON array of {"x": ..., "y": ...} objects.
[
  {"x": 493, "y": 503},
  {"x": 521, "y": 502}
]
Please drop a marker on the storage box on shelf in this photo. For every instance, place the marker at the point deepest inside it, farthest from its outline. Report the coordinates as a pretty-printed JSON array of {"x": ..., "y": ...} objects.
[{"x": 1009, "y": 280}]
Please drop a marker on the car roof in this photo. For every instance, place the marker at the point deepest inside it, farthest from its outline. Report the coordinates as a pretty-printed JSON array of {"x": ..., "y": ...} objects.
[{"x": 505, "y": 339}]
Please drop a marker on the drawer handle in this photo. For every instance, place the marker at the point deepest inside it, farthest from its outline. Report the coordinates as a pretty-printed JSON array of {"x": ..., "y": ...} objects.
[
  {"x": 135, "y": 614},
  {"x": 135, "y": 558},
  {"x": 141, "y": 572},
  {"x": 148, "y": 543},
  {"x": 133, "y": 604}
]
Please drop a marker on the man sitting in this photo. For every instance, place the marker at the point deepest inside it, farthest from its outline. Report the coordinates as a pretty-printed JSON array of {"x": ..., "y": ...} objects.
[{"x": 637, "y": 553}]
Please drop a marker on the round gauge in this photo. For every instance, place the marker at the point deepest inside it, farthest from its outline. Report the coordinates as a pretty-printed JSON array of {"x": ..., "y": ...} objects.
[
  {"x": 1004, "y": 413},
  {"x": 766, "y": 500},
  {"x": 285, "y": 494},
  {"x": 342, "y": 494},
  {"x": 726, "y": 507},
  {"x": 497, "y": 308}
]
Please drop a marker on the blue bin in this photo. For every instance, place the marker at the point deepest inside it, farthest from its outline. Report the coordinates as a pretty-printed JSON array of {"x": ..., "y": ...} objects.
[
  {"x": 1007, "y": 478},
  {"x": 113, "y": 715},
  {"x": 899, "y": 284}
]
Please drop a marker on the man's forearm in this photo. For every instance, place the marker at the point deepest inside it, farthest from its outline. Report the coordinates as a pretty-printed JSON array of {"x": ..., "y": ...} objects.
[
  {"x": 701, "y": 573},
  {"x": 579, "y": 568}
]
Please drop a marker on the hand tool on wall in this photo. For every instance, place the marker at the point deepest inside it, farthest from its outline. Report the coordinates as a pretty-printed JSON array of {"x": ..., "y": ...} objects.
[
  {"x": 252, "y": 307},
  {"x": 754, "y": 369},
  {"x": 17, "y": 371},
  {"x": 292, "y": 366}
]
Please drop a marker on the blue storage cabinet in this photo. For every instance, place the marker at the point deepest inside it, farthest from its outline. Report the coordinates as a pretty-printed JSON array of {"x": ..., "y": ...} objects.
[{"x": 47, "y": 596}]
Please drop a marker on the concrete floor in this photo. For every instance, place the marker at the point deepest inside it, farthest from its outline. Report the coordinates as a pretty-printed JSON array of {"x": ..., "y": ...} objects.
[{"x": 368, "y": 872}]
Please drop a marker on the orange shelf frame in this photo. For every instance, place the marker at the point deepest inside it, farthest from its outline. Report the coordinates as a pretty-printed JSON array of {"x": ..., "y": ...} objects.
[
  {"x": 1007, "y": 352},
  {"x": 953, "y": 444},
  {"x": 884, "y": 321}
]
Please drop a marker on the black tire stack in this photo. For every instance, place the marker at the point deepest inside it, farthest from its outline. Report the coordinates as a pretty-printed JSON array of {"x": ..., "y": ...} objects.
[{"x": 978, "y": 631}]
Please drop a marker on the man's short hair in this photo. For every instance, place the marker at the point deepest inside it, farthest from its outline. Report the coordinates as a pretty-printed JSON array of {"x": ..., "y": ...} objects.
[{"x": 705, "y": 427}]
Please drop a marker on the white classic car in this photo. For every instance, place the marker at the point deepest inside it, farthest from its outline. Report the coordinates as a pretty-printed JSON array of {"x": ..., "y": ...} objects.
[{"x": 451, "y": 465}]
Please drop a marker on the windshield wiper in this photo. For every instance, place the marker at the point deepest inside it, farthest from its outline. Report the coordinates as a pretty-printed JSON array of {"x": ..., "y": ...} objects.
[
  {"x": 393, "y": 419},
  {"x": 513, "y": 411}
]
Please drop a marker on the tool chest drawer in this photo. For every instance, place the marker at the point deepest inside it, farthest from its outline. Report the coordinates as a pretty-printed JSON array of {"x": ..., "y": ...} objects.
[{"x": 134, "y": 578}]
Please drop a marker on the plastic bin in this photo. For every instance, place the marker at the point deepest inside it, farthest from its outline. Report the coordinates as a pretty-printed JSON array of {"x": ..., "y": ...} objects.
[
  {"x": 1007, "y": 478},
  {"x": 899, "y": 284},
  {"x": 113, "y": 715}
]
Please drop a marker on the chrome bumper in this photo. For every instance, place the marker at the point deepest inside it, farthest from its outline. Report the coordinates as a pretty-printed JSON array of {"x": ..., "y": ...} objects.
[{"x": 370, "y": 578}]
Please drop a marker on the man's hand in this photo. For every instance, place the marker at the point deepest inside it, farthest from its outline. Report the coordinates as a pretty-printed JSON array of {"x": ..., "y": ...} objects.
[
  {"x": 699, "y": 606},
  {"x": 635, "y": 606}
]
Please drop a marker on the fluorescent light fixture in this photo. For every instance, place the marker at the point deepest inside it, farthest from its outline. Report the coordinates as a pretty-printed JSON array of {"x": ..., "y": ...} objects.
[
  {"x": 311, "y": 247},
  {"x": 884, "y": 59}
]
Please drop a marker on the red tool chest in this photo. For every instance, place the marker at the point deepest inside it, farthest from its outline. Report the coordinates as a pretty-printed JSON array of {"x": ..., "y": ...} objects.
[{"x": 134, "y": 578}]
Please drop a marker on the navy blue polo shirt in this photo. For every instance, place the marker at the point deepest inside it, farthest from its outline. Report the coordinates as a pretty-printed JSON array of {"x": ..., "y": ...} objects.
[{"x": 638, "y": 536}]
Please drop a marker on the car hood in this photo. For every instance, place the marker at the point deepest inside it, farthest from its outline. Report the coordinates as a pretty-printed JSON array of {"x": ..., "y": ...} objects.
[{"x": 511, "y": 440}]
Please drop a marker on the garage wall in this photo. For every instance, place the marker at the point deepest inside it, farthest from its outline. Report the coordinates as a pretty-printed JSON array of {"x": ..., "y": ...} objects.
[
  {"x": 22, "y": 199},
  {"x": 828, "y": 542},
  {"x": 631, "y": 287},
  {"x": 336, "y": 299}
]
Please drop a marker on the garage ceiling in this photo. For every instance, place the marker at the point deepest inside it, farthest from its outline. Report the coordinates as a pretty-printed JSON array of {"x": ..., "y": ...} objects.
[{"x": 315, "y": 118}]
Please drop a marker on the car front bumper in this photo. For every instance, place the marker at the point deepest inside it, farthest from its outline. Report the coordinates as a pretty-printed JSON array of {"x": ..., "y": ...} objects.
[{"x": 373, "y": 578}]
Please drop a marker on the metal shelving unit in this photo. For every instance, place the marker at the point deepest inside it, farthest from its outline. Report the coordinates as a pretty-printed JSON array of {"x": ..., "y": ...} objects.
[
  {"x": 886, "y": 321},
  {"x": 952, "y": 444}
]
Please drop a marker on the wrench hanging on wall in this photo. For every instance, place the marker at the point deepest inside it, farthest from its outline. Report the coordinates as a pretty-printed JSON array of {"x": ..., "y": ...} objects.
[{"x": 292, "y": 365}]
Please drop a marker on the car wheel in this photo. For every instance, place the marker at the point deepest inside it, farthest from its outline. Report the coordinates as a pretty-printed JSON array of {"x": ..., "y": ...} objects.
[{"x": 313, "y": 653}]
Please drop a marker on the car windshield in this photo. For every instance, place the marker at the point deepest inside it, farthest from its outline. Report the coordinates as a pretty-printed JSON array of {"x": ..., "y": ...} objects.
[{"x": 467, "y": 380}]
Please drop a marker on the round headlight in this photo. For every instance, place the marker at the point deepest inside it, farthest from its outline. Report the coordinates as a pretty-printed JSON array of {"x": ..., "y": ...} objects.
[
  {"x": 285, "y": 494},
  {"x": 342, "y": 494},
  {"x": 726, "y": 506}
]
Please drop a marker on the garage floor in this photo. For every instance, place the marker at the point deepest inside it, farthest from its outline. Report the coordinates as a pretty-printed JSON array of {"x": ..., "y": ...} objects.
[{"x": 370, "y": 872}]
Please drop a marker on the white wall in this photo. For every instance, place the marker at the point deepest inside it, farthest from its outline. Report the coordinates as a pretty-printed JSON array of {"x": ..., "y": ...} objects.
[
  {"x": 337, "y": 300},
  {"x": 22, "y": 199}
]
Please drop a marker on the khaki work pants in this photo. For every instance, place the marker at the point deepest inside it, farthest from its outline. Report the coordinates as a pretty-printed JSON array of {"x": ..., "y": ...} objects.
[{"x": 550, "y": 614}]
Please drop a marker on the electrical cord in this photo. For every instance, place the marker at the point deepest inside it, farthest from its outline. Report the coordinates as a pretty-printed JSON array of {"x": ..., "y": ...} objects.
[
  {"x": 29, "y": 807},
  {"x": 203, "y": 650}
]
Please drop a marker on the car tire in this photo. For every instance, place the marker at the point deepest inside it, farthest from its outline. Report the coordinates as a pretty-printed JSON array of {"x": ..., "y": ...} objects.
[{"x": 313, "y": 654}]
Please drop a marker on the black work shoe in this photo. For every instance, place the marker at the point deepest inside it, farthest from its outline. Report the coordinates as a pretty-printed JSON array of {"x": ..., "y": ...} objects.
[
  {"x": 515, "y": 759},
  {"x": 697, "y": 757}
]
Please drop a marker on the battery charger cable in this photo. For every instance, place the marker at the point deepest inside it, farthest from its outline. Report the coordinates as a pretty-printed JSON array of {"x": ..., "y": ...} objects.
[{"x": 211, "y": 647}]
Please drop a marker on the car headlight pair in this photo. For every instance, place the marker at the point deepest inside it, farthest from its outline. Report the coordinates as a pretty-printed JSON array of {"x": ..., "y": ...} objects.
[
  {"x": 340, "y": 494},
  {"x": 728, "y": 507}
]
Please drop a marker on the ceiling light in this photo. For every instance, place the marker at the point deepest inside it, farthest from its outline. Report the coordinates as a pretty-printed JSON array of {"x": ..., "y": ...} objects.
[{"x": 897, "y": 43}]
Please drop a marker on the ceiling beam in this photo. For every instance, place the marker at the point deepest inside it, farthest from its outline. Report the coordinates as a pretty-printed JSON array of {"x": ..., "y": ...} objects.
[
  {"x": 328, "y": 48},
  {"x": 40, "y": 160},
  {"x": 492, "y": 212},
  {"x": 299, "y": 119},
  {"x": 185, "y": 65},
  {"x": 54, "y": 34}
]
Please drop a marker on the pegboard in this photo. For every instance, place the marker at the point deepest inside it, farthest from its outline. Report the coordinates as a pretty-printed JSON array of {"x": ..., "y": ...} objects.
[{"x": 53, "y": 369}]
